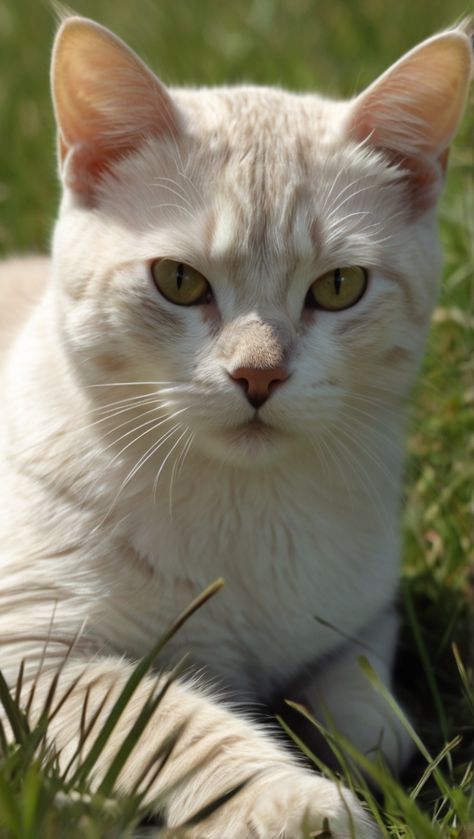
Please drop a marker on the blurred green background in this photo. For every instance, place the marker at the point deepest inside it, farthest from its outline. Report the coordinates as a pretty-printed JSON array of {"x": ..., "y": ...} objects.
[{"x": 336, "y": 47}]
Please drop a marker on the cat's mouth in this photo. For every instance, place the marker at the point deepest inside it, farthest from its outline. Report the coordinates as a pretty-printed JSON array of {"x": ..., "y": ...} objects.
[{"x": 253, "y": 429}]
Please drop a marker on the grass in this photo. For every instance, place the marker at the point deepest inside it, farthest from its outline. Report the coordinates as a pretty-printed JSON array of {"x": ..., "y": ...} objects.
[{"x": 337, "y": 48}]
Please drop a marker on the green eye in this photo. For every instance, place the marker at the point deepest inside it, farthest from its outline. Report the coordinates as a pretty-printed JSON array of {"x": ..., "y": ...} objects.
[
  {"x": 338, "y": 289},
  {"x": 180, "y": 283}
]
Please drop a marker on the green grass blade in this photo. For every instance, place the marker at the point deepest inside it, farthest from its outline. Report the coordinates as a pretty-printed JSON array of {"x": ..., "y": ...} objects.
[
  {"x": 15, "y": 716},
  {"x": 379, "y": 686},
  {"x": 10, "y": 814},
  {"x": 32, "y": 788},
  {"x": 434, "y": 764},
  {"x": 133, "y": 736},
  {"x": 136, "y": 677},
  {"x": 425, "y": 661},
  {"x": 467, "y": 683}
]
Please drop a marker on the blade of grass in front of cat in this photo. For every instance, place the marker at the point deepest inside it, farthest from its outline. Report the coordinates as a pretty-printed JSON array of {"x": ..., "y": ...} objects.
[{"x": 136, "y": 677}]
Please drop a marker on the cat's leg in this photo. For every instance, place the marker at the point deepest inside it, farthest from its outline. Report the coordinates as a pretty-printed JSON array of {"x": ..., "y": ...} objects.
[
  {"x": 341, "y": 691},
  {"x": 216, "y": 750}
]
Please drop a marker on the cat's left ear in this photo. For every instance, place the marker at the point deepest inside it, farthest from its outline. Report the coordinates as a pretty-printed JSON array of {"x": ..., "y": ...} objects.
[
  {"x": 106, "y": 103},
  {"x": 412, "y": 112}
]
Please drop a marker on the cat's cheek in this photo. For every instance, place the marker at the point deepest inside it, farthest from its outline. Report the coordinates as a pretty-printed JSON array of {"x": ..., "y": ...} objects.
[
  {"x": 110, "y": 365},
  {"x": 210, "y": 316}
]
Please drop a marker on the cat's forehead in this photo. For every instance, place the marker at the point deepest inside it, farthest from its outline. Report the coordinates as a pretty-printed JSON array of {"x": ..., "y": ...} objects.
[
  {"x": 261, "y": 125},
  {"x": 257, "y": 172},
  {"x": 237, "y": 103}
]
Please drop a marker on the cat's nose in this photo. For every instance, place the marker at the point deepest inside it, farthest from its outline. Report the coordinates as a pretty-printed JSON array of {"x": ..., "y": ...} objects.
[{"x": 258, "y": 382}]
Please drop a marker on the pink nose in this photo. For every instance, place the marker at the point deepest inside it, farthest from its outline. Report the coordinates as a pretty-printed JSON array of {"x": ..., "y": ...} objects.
[{"x": 258, "y": 383}]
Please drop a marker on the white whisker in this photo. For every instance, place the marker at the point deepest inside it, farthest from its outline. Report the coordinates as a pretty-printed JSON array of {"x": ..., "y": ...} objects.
[
  {"x": 147, "y": 431},
  {"x": 131, "y": 384},
  {"x": 160, "y": 183},
  {"x": 129, "y": 400},
  {"x": 157, "y": 477},
  {"x": 118, "y": 412},
  {"x": 363, "y": 478},
  {"x": 142, "y": 460},
  {"x": 333, "y": 455},
  {"x": 343, "y": 190},
  {"x": 162, "y": 417},
  {"x": 177, "y": 467},
  {"x": 348, "y": 430},
  {"x": 149, "y": 453},
  {"x": 175, "y": 207}
]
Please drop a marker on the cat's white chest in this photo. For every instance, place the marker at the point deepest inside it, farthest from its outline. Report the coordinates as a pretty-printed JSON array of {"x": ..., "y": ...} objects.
[{"x": 303, "y": 568}]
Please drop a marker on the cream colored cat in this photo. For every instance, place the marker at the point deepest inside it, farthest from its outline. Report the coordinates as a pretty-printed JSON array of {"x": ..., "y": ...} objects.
[{"x": 213, "y": 382}]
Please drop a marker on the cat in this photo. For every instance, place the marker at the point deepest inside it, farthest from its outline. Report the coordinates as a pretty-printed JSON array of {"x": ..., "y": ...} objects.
[{"x": 213, "y": 381}]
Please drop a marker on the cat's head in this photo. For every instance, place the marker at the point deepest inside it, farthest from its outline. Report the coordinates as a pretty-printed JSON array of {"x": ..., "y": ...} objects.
[{"x": 264, "y": 262}]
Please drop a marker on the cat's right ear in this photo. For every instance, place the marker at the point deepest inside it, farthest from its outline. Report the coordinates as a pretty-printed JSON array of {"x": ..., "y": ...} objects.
[
  {"x": 106, "y": 103},
  {"x": 413, "y": 110}
]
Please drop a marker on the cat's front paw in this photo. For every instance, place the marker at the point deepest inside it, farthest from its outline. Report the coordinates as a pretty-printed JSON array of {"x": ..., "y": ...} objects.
[{"x": 287, "y": 805}]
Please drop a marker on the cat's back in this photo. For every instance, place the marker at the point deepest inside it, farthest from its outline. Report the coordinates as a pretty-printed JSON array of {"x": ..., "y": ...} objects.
[{"x": 23, "y": 281}]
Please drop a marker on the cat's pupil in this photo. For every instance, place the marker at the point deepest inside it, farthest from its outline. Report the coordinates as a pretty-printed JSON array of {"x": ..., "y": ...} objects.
[
  {"x": 337, "y": 280},
  {"x": 179, "y": 275}
]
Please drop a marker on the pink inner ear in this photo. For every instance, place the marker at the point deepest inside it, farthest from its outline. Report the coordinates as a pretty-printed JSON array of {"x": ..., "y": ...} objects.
[
  {"x": 421, "y": 172},
  {"x": 84, "y": 164},
  {"x": 94, "y": 148},
  {"x": 107, "y": 103},
  {"x": 423, "y": 179},
  {"x": 411, "y": 113}
]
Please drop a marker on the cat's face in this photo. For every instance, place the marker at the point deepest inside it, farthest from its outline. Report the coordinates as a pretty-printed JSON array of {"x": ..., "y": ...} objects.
[{"x": 266, "y": 275}]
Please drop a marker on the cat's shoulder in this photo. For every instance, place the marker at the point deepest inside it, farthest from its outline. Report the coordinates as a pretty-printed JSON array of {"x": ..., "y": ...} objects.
[{"x": 23, "y": 281}]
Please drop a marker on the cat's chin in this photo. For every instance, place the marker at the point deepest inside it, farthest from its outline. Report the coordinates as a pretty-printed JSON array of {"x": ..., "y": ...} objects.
[{"x": 250, "y": 444}]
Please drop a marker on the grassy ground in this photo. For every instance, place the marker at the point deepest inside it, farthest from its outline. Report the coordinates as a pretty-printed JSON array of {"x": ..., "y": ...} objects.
[{"x": 337, "y": 47}]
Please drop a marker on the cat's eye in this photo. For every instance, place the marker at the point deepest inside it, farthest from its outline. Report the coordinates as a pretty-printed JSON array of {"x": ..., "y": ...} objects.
[
  {"x": 179, "y": 283},
  {"x": 338, "y": 289}
]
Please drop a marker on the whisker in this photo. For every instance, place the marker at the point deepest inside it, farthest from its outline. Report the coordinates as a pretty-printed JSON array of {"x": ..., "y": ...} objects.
[
  {"x": 110, "y": 415},
  {"x": 175, "y": 207},
  {"x": 147, "y": 431},
  {"x": 127, "y": 422},
  {"x": 129, "y": 400},
  {"x": 177, "y": 467},
  {"x": 131, "y": 384},
  {"x": 316, "y": 445},
  {"x": 149, "y": 453},
  {"x": 342, "y": 192},
  {"x": 160, "y": 182},
  {"x": 157, "y": 478},
  {"x": 142, "y": 460},
  {"x": 191, "y": 183},
  {"x": 332, "y": 454},
  {"x": 355, "y": 214},
  {"x": 373, "y": 429},
  {"x": 354, "y": 438},
  {"x": 363, "y": 478}
]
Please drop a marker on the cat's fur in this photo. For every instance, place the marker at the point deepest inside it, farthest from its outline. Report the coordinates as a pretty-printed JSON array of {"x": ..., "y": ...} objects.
[{"x": 130, "y": 475}]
